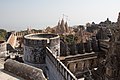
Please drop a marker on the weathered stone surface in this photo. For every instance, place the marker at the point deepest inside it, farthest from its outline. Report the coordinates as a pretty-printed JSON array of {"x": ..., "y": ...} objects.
[
  {"x": 112, "y": 59},
  {"x": 109, "y": 69},
  {"x": 25, "y": 71},
  {"x": 2, "y": 46},
  {"x": 64, "y": 49},
  {"x": 34, "y": 45}
]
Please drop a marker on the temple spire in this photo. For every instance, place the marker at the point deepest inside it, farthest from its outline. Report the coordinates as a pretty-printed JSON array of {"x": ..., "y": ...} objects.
[{"x": 118, "y": 20}]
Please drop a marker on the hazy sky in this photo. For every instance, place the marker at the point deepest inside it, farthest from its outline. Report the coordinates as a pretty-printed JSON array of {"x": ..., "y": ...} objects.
[{"x": 20, "y": 14}]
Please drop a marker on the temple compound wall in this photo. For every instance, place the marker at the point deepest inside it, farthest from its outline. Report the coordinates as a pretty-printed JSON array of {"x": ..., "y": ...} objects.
[{"x": 43, "y": 51}]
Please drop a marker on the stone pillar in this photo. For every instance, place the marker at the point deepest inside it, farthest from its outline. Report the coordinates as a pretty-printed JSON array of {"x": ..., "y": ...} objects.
[
  {"x": 72, "y": 48},
  {"x": 80, "y": 48},
  {"x": 94, "y": 44},
  {"x": 80, "y": 66},
  {"x": 88, "y": 47},
  {"x": 72, "y": 67}
]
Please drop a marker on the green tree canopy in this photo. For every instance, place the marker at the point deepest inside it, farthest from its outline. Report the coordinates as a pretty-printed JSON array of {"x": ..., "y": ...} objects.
[
  {"x": 2, "y": 34},
  {"x": 70, "y": 39}
]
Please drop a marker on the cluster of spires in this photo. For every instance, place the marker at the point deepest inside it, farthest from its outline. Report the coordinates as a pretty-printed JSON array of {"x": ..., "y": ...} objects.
[{"x": 62, "y": 27}]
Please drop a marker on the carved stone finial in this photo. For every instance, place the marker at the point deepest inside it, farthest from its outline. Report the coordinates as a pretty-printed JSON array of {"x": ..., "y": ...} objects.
[{"x": 118, "y": 20}]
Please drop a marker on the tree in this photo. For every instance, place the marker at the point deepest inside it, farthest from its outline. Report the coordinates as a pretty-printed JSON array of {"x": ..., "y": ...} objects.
[{"x": 2, "y": 34}]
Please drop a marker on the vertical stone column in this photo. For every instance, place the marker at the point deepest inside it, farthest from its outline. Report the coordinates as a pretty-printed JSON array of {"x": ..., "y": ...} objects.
[{"x": 72, "y": 67}]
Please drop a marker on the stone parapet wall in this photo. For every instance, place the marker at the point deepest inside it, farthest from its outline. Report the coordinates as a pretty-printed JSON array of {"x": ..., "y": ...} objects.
[
  {"x": 25, "y": 71},
  {"x": 32, "y": 42},
  {"x": 56, "y": 69}
]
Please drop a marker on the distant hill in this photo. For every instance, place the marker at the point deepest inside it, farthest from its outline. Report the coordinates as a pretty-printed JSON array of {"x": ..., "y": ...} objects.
[{"x": 2, "y": 34}]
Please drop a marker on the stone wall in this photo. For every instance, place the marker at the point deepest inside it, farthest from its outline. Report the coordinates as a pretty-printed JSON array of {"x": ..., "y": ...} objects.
[
  {"x": 79, "y": 64},
  {"x": 2, "y": 47},
  {"x": 25, "y": 71},
  {"x": 34, "y": 45},
  {"x": 35, "y": 51},
  {"x": 56, "y": 69},
  {"x": 36, "y": 54}
]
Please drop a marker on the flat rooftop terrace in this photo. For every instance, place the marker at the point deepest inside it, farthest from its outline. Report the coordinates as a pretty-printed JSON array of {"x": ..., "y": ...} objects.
[{"x": 79, "y": 56}]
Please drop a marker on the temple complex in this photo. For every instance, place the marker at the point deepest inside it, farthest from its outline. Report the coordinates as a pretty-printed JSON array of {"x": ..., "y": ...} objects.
[{"x": 88, "y": 52}]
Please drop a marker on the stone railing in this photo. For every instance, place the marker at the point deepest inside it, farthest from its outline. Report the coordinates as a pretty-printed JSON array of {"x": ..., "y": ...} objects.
[{"x": 60, "y": 70}]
